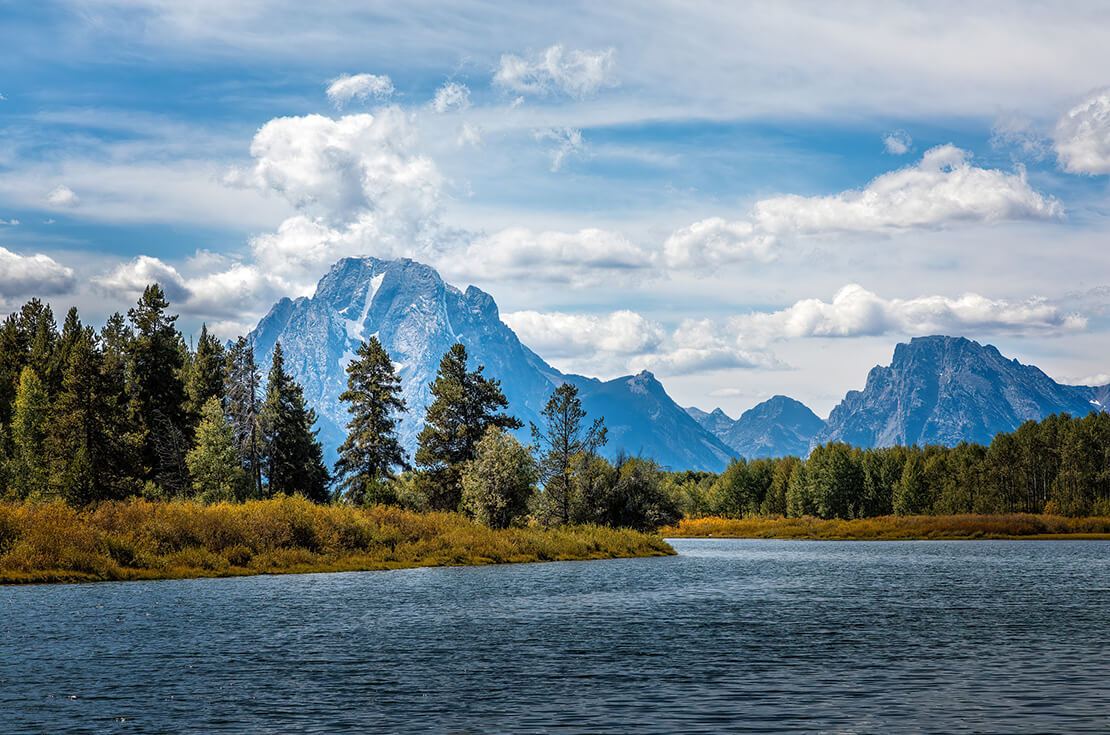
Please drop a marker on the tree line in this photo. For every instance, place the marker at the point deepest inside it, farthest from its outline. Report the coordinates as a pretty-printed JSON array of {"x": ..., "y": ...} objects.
[
  {"x": 133, "y": 410},
  {"x": 1060, "y": 465}
]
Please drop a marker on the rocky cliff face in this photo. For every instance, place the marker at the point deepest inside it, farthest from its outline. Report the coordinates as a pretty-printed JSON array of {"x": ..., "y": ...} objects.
[
  {"x": 417, "y": 317},
  {"x": 778, "y": 427},
  {"x": 944, "y": 390}
]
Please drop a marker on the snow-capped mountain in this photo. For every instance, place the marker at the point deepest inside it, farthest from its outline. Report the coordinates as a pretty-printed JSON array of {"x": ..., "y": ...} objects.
[
  {"x": 777, "y": 427},
  {"x": 417, "y": 317},
  {"x": 944, "y": 390}
]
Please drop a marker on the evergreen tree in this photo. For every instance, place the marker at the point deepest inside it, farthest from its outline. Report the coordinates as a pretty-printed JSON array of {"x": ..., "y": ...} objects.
[
  {"x": 799, "y": 493},
  {"x": 243, "y": 408},
  {"x": 465, "y": 404},
  {"x": 72, "y": 330},
  {"x": 28, "y": 468},
  {"x": 371, "y": 451},
  {"x": 207, "y": 373},
  {"x": 561, "y": 440},
  {"x": 911, "y": 495},
  {"x": 214, "y": 466},
  {"x": 292, "y": 455},
  {"x": 499, "y": 481},
  {"x": 13, "y": 356},
  {"x": 40, "y": 335},
  {"x": 124, "y": 437},
  {"x": 157, "y": 393}
]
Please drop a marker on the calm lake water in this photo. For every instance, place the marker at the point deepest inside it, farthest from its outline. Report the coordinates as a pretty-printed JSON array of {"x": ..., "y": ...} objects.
[{"x": 730, "y": 636}]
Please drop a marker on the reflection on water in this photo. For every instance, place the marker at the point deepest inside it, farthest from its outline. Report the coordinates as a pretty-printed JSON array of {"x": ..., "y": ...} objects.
[{"x": 729, "y": 636}]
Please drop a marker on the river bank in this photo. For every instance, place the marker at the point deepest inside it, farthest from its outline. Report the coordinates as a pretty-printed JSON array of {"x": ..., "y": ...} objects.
[
  {"x": 139, "y": 539},
  {"x": 895, "y": 528}
]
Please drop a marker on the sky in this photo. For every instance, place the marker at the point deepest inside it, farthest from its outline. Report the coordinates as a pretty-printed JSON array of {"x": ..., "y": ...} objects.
[{"x": 747, "y": 199}]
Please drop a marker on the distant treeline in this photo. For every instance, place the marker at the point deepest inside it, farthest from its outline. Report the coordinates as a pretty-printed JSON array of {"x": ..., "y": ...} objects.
[
  {"x": 132, "y": 410},
  {"x": 1060, "y": 465}
]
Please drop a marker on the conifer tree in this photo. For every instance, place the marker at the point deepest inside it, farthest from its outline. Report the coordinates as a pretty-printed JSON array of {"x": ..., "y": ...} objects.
[
  {"x": 28, "y": 468},
  {"x": 371, "y": 452},
  {"x": 465, "y": 404},
  {"x": 292, "y": 456},
  {"x": 156, "y": 392},
  {"x": 71, "y": 332},
  {"x": 79, "y": 436},
  {"x": 124, "y": 437},
  {"x": 561, "y": 440},
  {"x": 12, "y": 359},
  {"x": 207, "y": 373},
  {"x": 243, "y": 406},
  {"x": 214, "y": 466},
  {"x": 911, "y": 495}
]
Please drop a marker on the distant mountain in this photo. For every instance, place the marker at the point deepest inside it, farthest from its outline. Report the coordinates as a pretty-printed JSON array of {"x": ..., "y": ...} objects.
[
  {"x": 417, "y": 317},
  {"x": 944, "y": 390},
  {"x": 778, "y": 427}
]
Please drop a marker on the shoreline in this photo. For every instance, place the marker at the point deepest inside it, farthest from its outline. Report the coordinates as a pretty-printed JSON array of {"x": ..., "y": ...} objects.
[
  {"x": 1016, "y": 527},
  {"x": 134, "y": 540}
]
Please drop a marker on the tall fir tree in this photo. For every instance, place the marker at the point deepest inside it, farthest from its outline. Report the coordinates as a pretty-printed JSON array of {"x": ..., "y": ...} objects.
[
  {"x": 560, "y": 442},
  {"x": 207, "y": 373},
  {"x": 371, "y": 451},
  {"x": 157, "y": 394},
  {"x": 292, "y": 455},
  {"x": 214, "y": 468},
  {"x": 29, "y": 467},
  {"x": 241, "y": 391},
  {"x": 465, "y": 404}
]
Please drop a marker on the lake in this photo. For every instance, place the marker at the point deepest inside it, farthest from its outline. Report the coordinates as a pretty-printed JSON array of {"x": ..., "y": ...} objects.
[{"x": 729, "y": 636}]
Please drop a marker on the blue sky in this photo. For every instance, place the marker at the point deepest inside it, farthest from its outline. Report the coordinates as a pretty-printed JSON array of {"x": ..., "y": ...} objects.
[{"x": 746, "y": 199}]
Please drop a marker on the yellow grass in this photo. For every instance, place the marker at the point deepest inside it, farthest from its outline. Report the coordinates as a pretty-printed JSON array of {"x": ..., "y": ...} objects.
[
  {"x": 888, "y": 528},
  {"x": 138, "y": 539}
]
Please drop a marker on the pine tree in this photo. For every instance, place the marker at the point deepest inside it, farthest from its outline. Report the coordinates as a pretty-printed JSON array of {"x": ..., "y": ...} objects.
[
  {"x": 156, "y": 391},
  {"x": 292, "y": 455},
  {"x": 123, "y": 436},
  {"x": 40, "y": 335},
  {"x": 242, "y": 408},
  {"x": 465, "y": 405},
  {"x": 13, "y": 356},
  {"x": 28, "y": 468},
  {"x": 561, "y": 440},
  {"x": 214, "y": 466},
  {"x": 207, "y": 373},
  {"x": 370, "y": 453},
  {"x": 499, "y": 481},
  {"x": 78, "y": 439}
]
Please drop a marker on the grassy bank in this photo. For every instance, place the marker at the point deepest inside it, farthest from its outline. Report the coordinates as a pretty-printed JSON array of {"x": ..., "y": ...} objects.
[
  {"x": 137, "y": 539},
  {"x": 890, "y": 528}
]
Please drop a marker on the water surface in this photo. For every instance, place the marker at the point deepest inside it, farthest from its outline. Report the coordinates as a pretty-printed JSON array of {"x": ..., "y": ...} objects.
[{"x": 729, "y": 636}]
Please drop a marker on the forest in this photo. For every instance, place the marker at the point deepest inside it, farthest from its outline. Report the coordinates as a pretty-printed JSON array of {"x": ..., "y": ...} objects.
[{"x": 133, "y": 411}]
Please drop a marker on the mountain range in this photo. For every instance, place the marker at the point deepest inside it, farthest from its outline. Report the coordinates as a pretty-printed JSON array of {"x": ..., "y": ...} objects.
[{"x": 937, "y": 389}]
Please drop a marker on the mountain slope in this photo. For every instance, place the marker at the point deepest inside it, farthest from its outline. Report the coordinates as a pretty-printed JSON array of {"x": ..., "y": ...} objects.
[
  {"x": 417, "y": 317},
  {"x": 944, "y": 390},
  {"x": 777, "y": 427}
]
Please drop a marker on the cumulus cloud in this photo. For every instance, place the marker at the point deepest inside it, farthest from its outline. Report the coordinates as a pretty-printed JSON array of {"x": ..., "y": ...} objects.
[
  {"x": 575, "y": 73},
  {"x": 897, "y": 143},
  {"x": 1082, "y": 136},
  {"x": 33, "y": 275},
  {"x": 451, "y": 96},
  {"x": 700, "y": 345},
  {"x": 1021, "y": 136},
  {"x": 560, "y": 334},
  {"x": 62, "y": 196},
  {"x": 585, "y": 257},
  {"x": 469, "y": 135},
  {"x": 135, "y": 275},
  {"x": 940, "y": 190},
  {"x": 854, "y": 312},
  {"x": 347, "y": 87},
  {"x": 568, "y": 142}
]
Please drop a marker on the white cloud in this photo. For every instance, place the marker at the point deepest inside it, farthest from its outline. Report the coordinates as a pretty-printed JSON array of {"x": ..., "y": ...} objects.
[
  {"x": 133, "y": 276},
  {"x": 559, "y": 334},
  {"x": 940, "y": 190},
  {"x": 347, "y": 87},
  {"x": 575, "y": 73},
  {"x": 715, "y": 241},
  {"x": 9, "y": 222},
  {"x": 451, "y": 96},
  {"x": 470, "y": 135},
  {"x": 62, "y": 196},
  {"x": 855, "y": 312},
  {"x": 586, "y": 257},
  {"x": 1021, "y": 136},
  {"x": 897, "y": 143},
  {"x": 1082, "y": 136},
  {"x": 33, "y": 275},
  {"x": 568, "y": 143}
]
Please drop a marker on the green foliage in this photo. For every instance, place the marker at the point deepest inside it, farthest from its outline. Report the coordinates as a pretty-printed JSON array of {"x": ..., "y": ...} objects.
[
  {"x": 292, "y": 455},
  {"x": 241, "y": 395},
  {"x": 28, "y": 468},
  {"x": 465, "y": 404},
  {"x": 499, "y": 481},
  {"x": 207, "y": 374},
  {"x": 911, "y": 494},
  {"x": 559, "y": 444},
  {"x": 213, "y": 462},
  {"x": 371, "y": 451}
]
